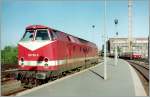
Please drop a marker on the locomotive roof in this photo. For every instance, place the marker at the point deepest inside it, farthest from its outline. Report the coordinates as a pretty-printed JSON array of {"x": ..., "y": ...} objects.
[
  {"x": 36, "y": 27},
  {"x": 82, "y": 41},
  {"x": 45, "y": 27}
]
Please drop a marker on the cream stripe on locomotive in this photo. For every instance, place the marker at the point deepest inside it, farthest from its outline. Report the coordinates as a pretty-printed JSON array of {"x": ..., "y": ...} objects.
[{"x": 55, "y": 62}]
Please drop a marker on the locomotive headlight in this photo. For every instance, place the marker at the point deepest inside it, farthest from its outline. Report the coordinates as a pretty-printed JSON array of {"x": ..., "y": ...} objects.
[
  {"x": 46, "y": 60},
  {"x": 22, "y": 59}
]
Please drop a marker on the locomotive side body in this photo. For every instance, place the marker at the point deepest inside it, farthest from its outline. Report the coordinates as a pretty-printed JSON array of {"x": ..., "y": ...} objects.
[{"x": 44, "y": 53}]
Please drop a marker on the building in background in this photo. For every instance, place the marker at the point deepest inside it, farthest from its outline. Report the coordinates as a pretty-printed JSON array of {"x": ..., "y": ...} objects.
[{"x": 139, "y": 45}]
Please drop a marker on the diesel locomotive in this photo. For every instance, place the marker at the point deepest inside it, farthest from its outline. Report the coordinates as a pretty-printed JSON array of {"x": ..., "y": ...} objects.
[{"x": 45, "y": 53}]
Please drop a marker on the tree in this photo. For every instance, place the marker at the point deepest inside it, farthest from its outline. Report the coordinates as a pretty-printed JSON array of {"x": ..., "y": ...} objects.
[{"x": 9, "y": 55}]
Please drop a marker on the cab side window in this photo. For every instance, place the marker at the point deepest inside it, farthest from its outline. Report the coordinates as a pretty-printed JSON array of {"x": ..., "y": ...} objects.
[{"x": 54, "y": 35}]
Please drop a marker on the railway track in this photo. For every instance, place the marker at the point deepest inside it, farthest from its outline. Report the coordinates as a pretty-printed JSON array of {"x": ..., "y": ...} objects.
[
  {"x": 9, "y": 85},
  {"x": 13, "y": 93},
  {"x": 143, "y": 72},
  {"x": 142, "y": 69},
  {"x": 8, "y": 75}
]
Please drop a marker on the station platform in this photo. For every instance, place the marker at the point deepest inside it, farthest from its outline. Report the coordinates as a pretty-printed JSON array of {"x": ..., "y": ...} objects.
[{"x": 122, "y": 80}]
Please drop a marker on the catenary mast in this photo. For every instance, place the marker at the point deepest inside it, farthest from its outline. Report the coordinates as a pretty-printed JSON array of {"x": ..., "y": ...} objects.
[{"x": 130, "y": 25}]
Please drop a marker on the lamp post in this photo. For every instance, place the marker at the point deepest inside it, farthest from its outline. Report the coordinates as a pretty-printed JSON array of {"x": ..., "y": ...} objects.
[
  {"x": 105, "y": 33},
  {"x": 93, "y": 26},
  {"x": 116, "y": 47}
]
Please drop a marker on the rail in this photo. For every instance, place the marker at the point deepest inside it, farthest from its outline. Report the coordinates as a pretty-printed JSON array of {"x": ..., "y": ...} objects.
[{"x": 142, "y": 69}]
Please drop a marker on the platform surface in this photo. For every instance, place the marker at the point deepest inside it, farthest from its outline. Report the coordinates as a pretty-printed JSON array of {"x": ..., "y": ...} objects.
[{"x": 122, "y": 81}]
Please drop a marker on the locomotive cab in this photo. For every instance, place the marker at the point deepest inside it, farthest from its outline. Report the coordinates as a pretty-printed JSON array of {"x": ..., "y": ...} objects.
[{"x": 35, "y": 35}]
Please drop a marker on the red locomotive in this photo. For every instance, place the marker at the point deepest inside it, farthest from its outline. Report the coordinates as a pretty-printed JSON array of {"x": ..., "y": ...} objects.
[
  {"x": 131, "y": 55},
  {"x": 45, "y": 53}
]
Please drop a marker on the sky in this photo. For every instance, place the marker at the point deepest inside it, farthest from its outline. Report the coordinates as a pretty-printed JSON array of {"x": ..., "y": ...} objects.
[{"x": 73, "y": 17}]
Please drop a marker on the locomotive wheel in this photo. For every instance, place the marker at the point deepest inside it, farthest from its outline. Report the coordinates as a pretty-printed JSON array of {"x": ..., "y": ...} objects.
[
  {"x": 64, "y": 73},
  {"x": 18, "y": 76},
  {"x": 26, "y": 81},
  {"x": 38, "y": 82},
  {"x": 46, "y": 80},
  {"x": 60, "y": 76},
  {"x": 35, "y": 82},
  {"x": 78, "y": 69}
]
